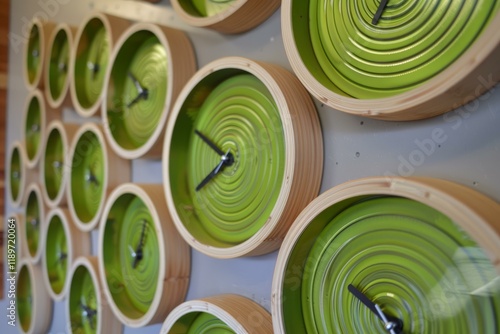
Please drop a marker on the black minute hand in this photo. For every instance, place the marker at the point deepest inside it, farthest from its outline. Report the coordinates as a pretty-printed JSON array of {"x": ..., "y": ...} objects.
[
  {"x": 209, "y": 143},
  {"x": 380, "y": 9}
]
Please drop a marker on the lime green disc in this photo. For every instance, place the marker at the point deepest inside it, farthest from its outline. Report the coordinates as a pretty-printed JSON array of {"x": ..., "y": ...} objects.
[
  {"x": 130, "y": 256},
  {"x": 83, "y": 305},
  {"x": 91, "y": 62},
  {"x": 24, "y": 298},
  {"x": 53, "y": 163},
  {"x": 139, "y": 85},
  {"x": 411, "y": 43},
  {"x": 33, "y": 127},
  {"x": 34, "y": 54},
  {"x": 15, "y": 173},
  {"x": 56, "y": 252},
  {"x": 239, "y": 116},
  {"x": 58, "y": 64},
  {"x": 87, "y": 176},
  {"x": 206, "y": 323},
  {"x": 409, "y": 259},
  {"x": 33, "y": 221},
  {"x": 206, "y": 8}
]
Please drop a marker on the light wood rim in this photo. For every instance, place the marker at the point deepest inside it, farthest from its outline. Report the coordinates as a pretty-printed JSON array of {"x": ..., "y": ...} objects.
[
  {"x": 242, "y": 16},
  {"x": 181, "y": 66},
  {"x": 175, "y": 256},
  {"x": 303, "y": 151},
  {"x": 475, "y": 72},
  {"x": 241, "y": 314},
  {"x": 474, "y": 212},
  {"x": 27, "y": 175},
  {"x": 35, "y": 188}
]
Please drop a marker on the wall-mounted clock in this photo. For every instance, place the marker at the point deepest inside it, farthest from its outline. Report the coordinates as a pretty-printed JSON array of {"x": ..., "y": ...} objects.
[
  {"x": 57, "y": 74},
  {"x": 18, "y": 174},
  {"x": 94, "y": 43},
  {"x": 144, "y": 264},
  {"x": 64, "y": 242},
  {"x": 393, "y": 60},
  {"x": 391, "y": 255},
  {"x": 95, "y": 171},
  {"x": 54, "y": 167},
  {"x": 226, "y": 16},
  {"x": 243, "y": 154},
  {"x": 87, "y": 310},
  {"x": 34, "y": 213},
  {"x": 228, "y": 313},
  {"x": 36, "y": 53},
  {"x": 150, "y": 65},
  {"x": 33, "y": 303}
]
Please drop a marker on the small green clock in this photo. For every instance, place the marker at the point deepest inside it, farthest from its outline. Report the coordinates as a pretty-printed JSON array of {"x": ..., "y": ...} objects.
[
  {"x": 391, "y": 255},
  {"x": 34, "y": 127},
  {"x": 34, "y": 226},
  {"x": 18, "y": 174},
  {"x": 36, "y": 53},
  {"x": 143, "y": 262}
]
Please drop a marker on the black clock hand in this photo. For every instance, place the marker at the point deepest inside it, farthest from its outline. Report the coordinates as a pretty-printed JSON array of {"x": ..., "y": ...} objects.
[
  {"x": 94, "y": 66},
  {"x": 138, "y": 252},
  {"x": 379, "y": 11},
  {"x": 209, "y": 143},
  {"x": 392, "y": 325},
  {"x": 142, "y": 92},
  {"x": 88, "y": 313},
  {"x": 91, "y": 178},
  {"x": 225, "y": 160}
]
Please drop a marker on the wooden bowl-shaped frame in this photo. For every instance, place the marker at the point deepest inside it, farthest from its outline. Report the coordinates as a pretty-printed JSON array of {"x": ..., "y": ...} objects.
[
  {"x": 473, "y": 212},
  {"x": 240, "y": 16},
  {"x": 240, "y": 314},
  {"x": 174, "y": 257},
  {"x": 113, "y": 28},
  {"x": 303, "y": 163},
  {"x": 115, "y": 171},
  {"x": 40, "y": 311},
  {"x": 38, "y": 42},
  {"x": 18, "y": 174},
  {"x": 87, "y": 268},
  {"x": 76, "y": 243},
  {"x": 467, "y": 78},
  {"x": 61, "y": 45},
  {"x": 34, "y": 236},
  {"x": 180, "y": 66}
]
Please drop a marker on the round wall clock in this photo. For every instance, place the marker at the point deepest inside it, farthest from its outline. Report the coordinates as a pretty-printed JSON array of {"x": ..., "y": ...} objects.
[
  {"x": 95, "y": 171},
  {"x": 64, "y": 242},
  {"x": 36, "y": 53},
  {"x": 54, "y": 168},
  {"x": 226, "y": 16},
  {"x": 36, "y": 117},
  {"x": 219, "y": 314},
  {"x": 33, "y": 304},
  {"x": 18, "y": 175},
  {"x": 143, "y": 262},
  {"x": 86, "y": 308},
  {"x": 93, "y": 45},
  {"x": 34, "y": 213},
  {"x": 150, "y": 65},
  {"x": 393, "y": 60},
  {"x": 391, "y": 255},
  {"x": 57, "y": 72},
  {"x": 243, "y": 155}
]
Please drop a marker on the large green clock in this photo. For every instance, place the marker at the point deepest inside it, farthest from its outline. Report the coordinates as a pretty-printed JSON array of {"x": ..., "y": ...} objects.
[
  {"x": 391, "y": 255},
  {"x": 242, "y": 154},
  {"x": 394, "y": 60}
]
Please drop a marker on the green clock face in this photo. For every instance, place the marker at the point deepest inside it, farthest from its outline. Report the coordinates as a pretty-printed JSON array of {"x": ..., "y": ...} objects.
[
  {"x": 24, "y": 298},
  {"x": 208, "y": 323},
  {"x": 208, "y": 7},
  {"x": 15, "y": 173},
  {"x": 33, "y": 127},
  {"x": 58, "y": 64},
  {"x": 33, "y": 223},
  {"x": 53, "y": 171},
  {"x": 56, "y": 254},
  {"x": 131, "y": 255},
  {"x": 87, "y": 176},
  {"x": 91, "y": 62},
  {"x": 83, "y": 305},
  {"x": 137, "y": 90},
  {"x": 34, "y": 54}
]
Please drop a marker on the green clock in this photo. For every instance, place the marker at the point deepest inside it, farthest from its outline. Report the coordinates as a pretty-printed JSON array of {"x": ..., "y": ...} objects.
[
  {"x": 149, "y": 67},
  {"x": 144, "y": 265},
  {"x": 36, "y": 53},
  {"x": 224, "y": 314},
  {"x": 18, "y": 174},
  {"x": 94, "y": 170},
  {"x": 33, "y": 304},
  {"x": 86, "y": 308},
  {"x": 226, "y": 16},
  {"x": 34, "y": 226},
  {"x": 391, "y": 255},
  {"x": 393, "y": 60},
  {"x": 242, "y": 155},
  {"x": 34, "y": 127}
]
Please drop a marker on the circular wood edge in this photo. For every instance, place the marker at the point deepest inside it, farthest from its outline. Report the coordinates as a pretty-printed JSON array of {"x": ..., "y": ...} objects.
[
  {"x": 474, "y": 212},
  {"x": 35, "y": 187},
  {"x": 467, "y": 78}
]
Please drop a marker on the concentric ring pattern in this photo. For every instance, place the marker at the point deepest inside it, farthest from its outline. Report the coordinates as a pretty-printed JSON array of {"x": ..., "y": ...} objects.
[
  {"x": 408, "y": 258},
  {"x": 412, "y": 42},
  {"x": 241, "y": 117},
  {"x": 83, "y": 302},
  {"x": 58, "y": 64},
  {"x": 54, "y": 163},
  {"x": 130, "y": 227},
  {"x": 34, "y": 54},
  {"x": 206, "y": 323},
  {"x": 140, "y": 67},
  {"x": 33, "y": 127},
  {"x": 33, "y": 221},
  {"x": 56, "y": 249},
  {"x": 211, "y": 7},
  {"x": 24, "y": 298}
]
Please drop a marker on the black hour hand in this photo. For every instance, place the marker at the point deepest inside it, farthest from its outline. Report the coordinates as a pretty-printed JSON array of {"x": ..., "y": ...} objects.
[
  {"x": 380, "y": 9},
  {"x": 209, "y": 143}
]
